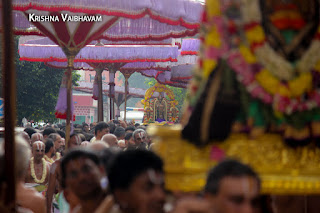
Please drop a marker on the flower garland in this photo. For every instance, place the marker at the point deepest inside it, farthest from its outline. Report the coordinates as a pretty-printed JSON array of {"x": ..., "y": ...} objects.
[
  {"x": 44, "y": 171},
  {"x": 261, "y": 69},
  {"x": 212, "y": 48},
  {"x": 58, "y": 155},
  {"x": 246, "y": 74},
  {"x": 271, "y": 60},
  {"x": 50, "y": 160}
]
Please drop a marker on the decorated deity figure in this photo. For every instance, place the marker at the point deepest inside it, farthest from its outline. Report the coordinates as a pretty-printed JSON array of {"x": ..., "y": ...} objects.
[
  {"x": 290, "y": 25},
  {"x": 254, "y": 92},
  {"x": 157, "y": 109},
  {"x": 264, "y": 57},
  {"x": 38, "y": 172},
  {"x": 160, "y": 105}
]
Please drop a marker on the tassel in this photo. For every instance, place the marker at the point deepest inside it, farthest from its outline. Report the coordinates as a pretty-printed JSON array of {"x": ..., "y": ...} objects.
[
  {"x": 61, "y": 107},
  {"x": 95, "y": 94}
]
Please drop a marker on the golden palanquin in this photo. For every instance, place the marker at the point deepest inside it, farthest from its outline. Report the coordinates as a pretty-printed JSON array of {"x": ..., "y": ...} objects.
[{"x": 283, "y": 170}]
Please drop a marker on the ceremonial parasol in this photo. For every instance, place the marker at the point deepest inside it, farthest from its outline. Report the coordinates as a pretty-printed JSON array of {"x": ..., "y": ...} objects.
[
  {"x": 180, "y": 72},
  {"x": 101, "y": 57}
]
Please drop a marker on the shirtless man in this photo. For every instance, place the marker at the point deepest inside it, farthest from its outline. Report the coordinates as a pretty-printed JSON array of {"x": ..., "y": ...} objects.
[
  {"x": 55, "y": 175},
  {"x": 49, "y": 150},
  {"x": 57, "y": 140},
  {"x": 27, "y": 198},
  {"x": 38, "y": 171}
]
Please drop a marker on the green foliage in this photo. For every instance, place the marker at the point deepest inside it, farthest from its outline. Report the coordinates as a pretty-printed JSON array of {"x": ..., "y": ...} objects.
[
  {"x": 37, "y": 88},
  {"x": 135, "y": 81}
]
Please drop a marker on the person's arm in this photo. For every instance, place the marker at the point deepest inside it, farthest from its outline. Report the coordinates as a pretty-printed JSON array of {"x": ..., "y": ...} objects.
[
  {"x": 51, "y": 186},
  {"x": 39, "y": 205}
]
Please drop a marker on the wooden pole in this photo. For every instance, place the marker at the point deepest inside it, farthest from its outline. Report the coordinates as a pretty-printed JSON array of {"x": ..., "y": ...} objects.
[
  {"x": 126, "y": 75},
  {"x": 125, "y": 97},
  {"x": 9, "y": 94},
  {"x": 69, "y": 93},
  {"x": 100, "y": 99},
  {"x": 111, "y": 91}
]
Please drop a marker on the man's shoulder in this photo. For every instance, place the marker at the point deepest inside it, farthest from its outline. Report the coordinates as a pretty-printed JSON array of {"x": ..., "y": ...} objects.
[
  {"x": 93, "y": 140},
  {"x": 54, "y": 167}
]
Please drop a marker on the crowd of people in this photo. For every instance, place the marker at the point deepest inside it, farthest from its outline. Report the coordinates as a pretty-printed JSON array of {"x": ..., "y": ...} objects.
[{"x": 115, "y": 170}]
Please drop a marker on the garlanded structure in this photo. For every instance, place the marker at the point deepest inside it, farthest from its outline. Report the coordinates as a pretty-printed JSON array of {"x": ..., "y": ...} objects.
[
  {"x": 253, "y": 97},
  {"x": 160, "y": 109}
]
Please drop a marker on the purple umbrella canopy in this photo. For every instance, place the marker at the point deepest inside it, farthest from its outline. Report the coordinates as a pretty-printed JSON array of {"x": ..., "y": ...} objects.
[
  {"x": 190, "y": 46},
  {"x": 100, "y": 54},
  {"x": 102, "y": 57},
  {"x": 164, "y": 77},
  {"x": 119, "y": 20},
  {"x": 181, "y": 71},
  {"x": 44, "y": 40},
  {"x": 119, "y": 92}
]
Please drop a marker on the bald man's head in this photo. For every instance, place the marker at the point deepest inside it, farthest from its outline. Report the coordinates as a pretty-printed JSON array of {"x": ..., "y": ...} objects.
[
  {"x": 38, "y": 150},
  {"x": 98, "y": 146},
  {"x": 25, "y": 136},
  {"x": 36, "y": 137},
  {"x": 110, "y": 139}
]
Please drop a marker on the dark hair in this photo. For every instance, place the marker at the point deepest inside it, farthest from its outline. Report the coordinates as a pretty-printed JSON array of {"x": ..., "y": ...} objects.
[
  {"x": 53, "y": 136},
  {"x": 112, "y": 127},
  {"x": 82, "y": 137},
  {"x": 106, "y": 155},
  {"x": 48, "y": 131},
  {"x": 136, "y": 125},
  {"x": 227, "y": 168},
  {"x": 49, "y": 144},
  {"x": 128, "y": 136},
  {"x": 141, "y": 127},
  {"x": 88, "y": 136},
  {"x": 61, "y": 133},
  {"x": 127, "y": 165},
  {"x": 73, "y": 134},
  {"x": 73, "y": 155},
  {"x": 130, "y": 128},
  {"x": 30, "y": 131},
  {"x": 100, "y": 126},
  {"x": 119, "y": 132}
]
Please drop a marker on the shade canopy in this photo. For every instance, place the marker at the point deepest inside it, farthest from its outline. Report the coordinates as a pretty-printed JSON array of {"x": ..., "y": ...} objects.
[
  {"x": 119, "y": 92},
  {"x": 113, "y": 19},
  {"x": 101, "y": 54}
]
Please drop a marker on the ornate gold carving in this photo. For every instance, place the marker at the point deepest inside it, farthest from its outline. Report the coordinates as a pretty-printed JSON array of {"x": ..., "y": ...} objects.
[
  {"x": 283, "y": 170},
  {"x": 158, "y": 104}
]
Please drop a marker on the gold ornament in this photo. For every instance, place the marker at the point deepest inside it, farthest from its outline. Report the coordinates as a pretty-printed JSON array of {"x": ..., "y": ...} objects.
[{"x": 283, "y": 170}]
